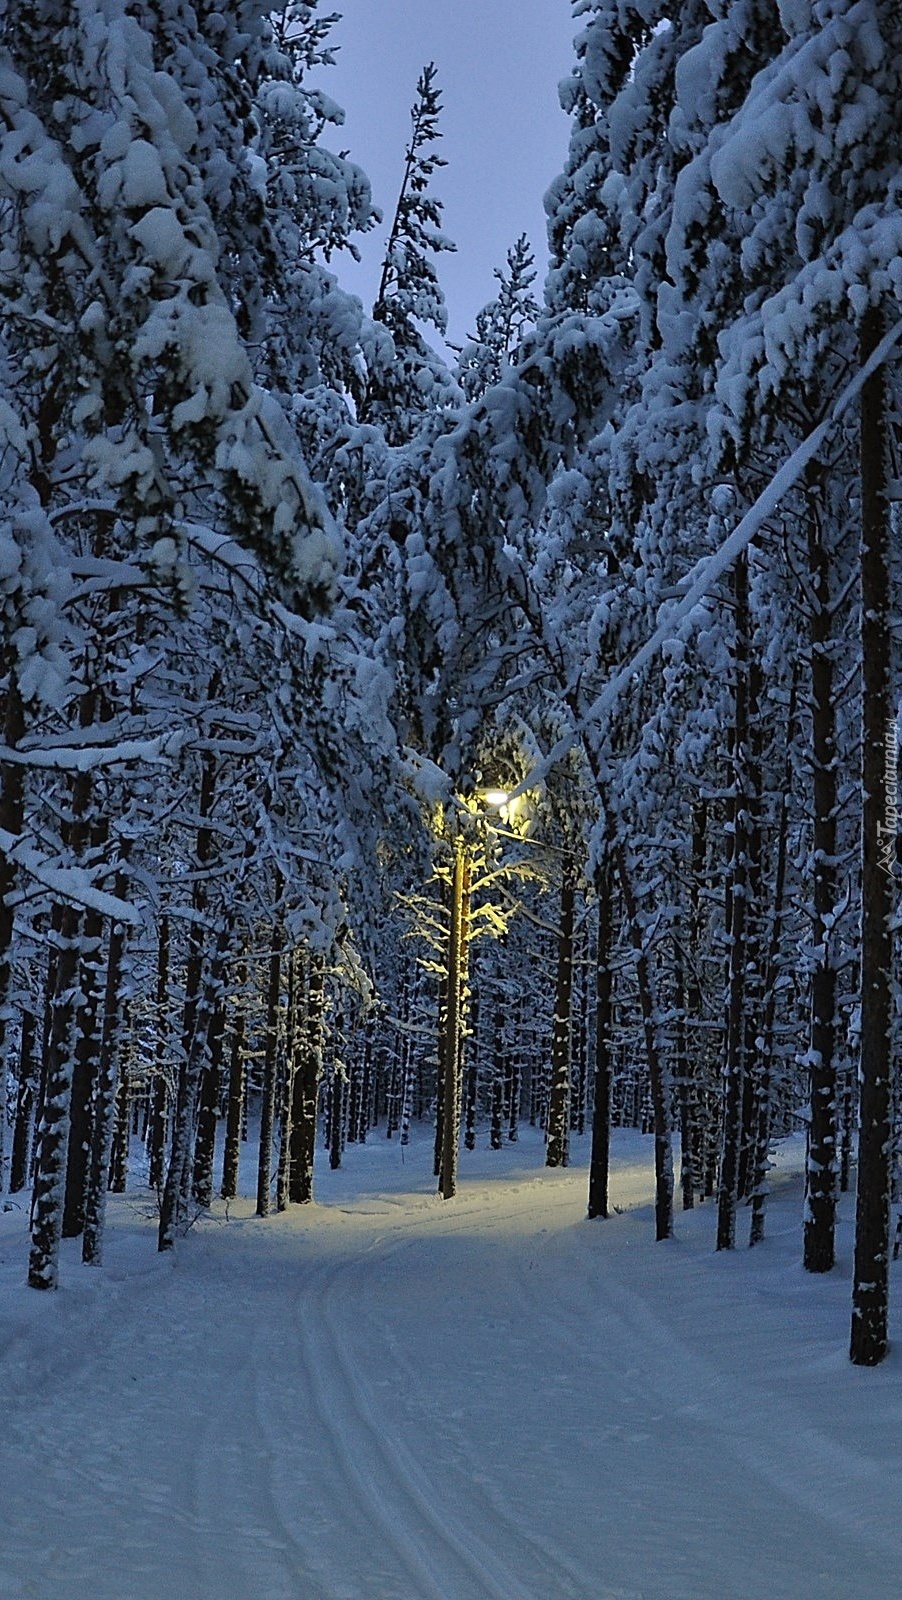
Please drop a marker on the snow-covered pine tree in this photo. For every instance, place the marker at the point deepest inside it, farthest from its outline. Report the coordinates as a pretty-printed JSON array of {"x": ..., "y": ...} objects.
[
  {"x": 501, "y": 324},
  {"x": 406, "y": 379}
]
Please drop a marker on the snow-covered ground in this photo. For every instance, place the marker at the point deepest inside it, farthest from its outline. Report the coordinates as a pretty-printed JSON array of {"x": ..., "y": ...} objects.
[{"x": 387, "y": 1397}]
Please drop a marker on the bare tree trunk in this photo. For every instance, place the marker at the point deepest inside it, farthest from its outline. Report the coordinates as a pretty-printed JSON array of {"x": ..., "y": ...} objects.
[
  {"x": 53, "y": 1136},
  {"x": 820, "y": 1202},
  {"x": 870, "y": 1293},
  {"x": 84, "y": 1077},
  {"x": 159, "y": 1093},
  {"x": 659, "y": 1078},
  {"x": 208, "y": 1109},
  {"x": 451, "y": 1053},
  {"x": 232, "y": 1152},
  {"x": 104, "y": 1111},
  {"x": 12, "y": 811},
  {"x": 599, "y": 1160},
  {"x": 735, "y": 1064},
  {"x": 270, "y": 1068},
  {"x": 558, "y": 1153},
  {"x": 305, "y": 1078},
  {"x": 771, "y": 974},
  {"x": 25, "y": 1103}
]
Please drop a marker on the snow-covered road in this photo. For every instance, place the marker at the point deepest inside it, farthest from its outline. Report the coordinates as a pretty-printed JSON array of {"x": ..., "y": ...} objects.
[{"x": 385, "y": 1397}]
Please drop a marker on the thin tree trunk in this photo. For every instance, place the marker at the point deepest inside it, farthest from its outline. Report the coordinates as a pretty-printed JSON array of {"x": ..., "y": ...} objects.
[
  {"x": 599, "y": 1160},
  {"x": 735, "y": 1065},
  {"x": 12, "y": 812},
  {"x": 118, "y": 1169},
  {"x": 232, "y": 1152},
  {"x": 820, "y": 1201},
  {"x": 558, "y": 1152},
  {"x": 25, "y": 1103},
  {"x": 763, "y": 1104},
  {"x": 306, "y": 1079},
  {"x": 208, "y": 1109},
  {"x": 53, "y": 1137},
  {"x": 870, "y": 1293},
  {"x": 174, "y": 1191},
  {"x": 161, "y": 1040},
  {"x": 270, "y": 1068},
  {"x": 104, "y": 1111},
  {"x": 451, "y": 1055},
  {"x": 659, "y": 1078}
]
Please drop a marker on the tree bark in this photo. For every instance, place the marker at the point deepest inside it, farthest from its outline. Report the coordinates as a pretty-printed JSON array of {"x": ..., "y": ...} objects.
[
  {"x": 558, "y": 1149},
  {"x": 104, "y": 1111},
  {"x": 451, "y": 1057},
  {"x": 820, "y": 1200},
  {"x": 870, "y": 1292},
  {"x": 659, "y": 1078},
  {"x": 734, "y": 1064},
  {"x": 232, "y": 1152},
  {"x": 270, "y": 1068},
  {"x": 305, "y": 1078},
  {"x": 599, "y": 1159}
]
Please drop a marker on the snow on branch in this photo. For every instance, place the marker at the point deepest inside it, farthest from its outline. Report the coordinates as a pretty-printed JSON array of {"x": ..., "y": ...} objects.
[
  {"x": 73, "y": 884},
  {"x": 680, "y": 620},
  {"x": 69, "y": 758}
]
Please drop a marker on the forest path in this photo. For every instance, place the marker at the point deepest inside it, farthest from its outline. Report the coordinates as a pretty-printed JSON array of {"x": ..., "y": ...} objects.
[{"x": 384, "y": 1397}]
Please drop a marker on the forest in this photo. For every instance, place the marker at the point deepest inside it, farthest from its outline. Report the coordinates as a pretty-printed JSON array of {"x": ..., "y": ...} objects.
[{"x": 478, "y": 740}]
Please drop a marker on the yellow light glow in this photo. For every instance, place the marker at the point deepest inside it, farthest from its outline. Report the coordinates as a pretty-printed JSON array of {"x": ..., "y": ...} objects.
[{"x": 495, "y": 797}]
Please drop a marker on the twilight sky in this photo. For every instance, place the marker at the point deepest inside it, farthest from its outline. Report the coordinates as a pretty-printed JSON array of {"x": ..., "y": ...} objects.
[{"x": 505, "y": 136}]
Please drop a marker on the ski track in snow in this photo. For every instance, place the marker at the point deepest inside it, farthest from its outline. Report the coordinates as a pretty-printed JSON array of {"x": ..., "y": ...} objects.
[{"x": 384, "y": 1397}]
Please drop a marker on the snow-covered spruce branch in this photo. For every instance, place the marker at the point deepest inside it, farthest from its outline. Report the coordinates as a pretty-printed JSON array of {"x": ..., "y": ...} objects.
[
  {"x": 86, "y": 758},
  {"x": 72, "y": 884}
]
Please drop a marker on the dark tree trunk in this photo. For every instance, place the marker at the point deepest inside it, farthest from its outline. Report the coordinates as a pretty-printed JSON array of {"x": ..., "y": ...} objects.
[
  {"x": 451, "y": 1041},
  {"x": 12, "y": 809},
  {"x": 735, "y": 1065},
  {"x": 499, "y": 1076},
  {"x": 200, "y": 998},
  {"x": 557, "y": 1153},
  {"x": 820, "y": 1200},
  {"x": 441, "y": 1031},
  {"x": 599, "y": 1160},
  {"x": 84, "y": 1077},
  {"x": 53, "y": 1140},
  {"x": 516, "y": 1076},
  {"x": 25, "y": 1103},
  {"x": 870, "y": 1293},
  {"x": 104, "y": 1111},
  {"x": 53, "y": 1137},
  {"x": 305, "y": 1084},
  {"x": 270, "y": 1070},
  {"x": 159, "y": 1094},
  {"x": 336, "y": 1115},
  {"x": 118, "y": 1169},
  {"x": 470, "y": 1052},
  {"x": 232, "y": 1152},
  {"x": 286, "y": 1084},
  {"x": 208, "y": 1111},
  {"x": 659, "y": 1078},
  {"x": 174, "y": 1197},
  {"x": 762, "y": 1110}
]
